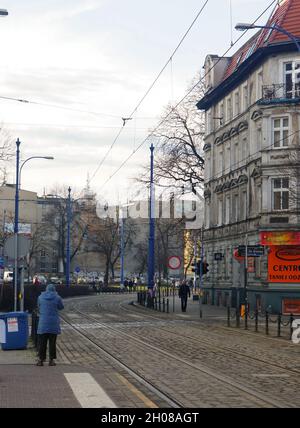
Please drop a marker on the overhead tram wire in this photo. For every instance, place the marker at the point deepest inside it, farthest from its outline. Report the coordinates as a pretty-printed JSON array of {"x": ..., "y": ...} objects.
[
  {"x": 150, "y": 88},
  {"x": 185, "y": 96},
  {"x": 20, "y": 100}
]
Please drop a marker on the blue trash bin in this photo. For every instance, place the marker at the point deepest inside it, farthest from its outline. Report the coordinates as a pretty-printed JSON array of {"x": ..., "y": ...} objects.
[{"x": 16, "y": 326}]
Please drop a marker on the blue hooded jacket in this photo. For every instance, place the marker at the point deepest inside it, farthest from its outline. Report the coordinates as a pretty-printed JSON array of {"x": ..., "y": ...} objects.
[{"x": 49, "y": 303}]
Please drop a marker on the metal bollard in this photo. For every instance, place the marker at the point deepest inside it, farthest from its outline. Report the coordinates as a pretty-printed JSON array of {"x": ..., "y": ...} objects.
[
  {"x": 267, "y": 323},
  {"x": 164, "y": 305},
  {"x": 168, "y": 306},
  {"x": 159, "y": 304},
  {"x": 228, "y": 316},
  {"x": 237, "y": 318},
  {"x": 256, "y": 321},
  {"x": 291, "y": 326},
  {"x": 279, "y": 325}
]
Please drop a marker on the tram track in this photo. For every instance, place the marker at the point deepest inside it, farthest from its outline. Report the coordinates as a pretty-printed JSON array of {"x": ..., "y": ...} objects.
[
  {"x": 229, "y": 351},
  {"x": 228, "y": 383}
]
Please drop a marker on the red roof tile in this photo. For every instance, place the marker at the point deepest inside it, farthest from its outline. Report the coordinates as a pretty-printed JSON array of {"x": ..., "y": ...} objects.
[{"x": 287, "y": 16}]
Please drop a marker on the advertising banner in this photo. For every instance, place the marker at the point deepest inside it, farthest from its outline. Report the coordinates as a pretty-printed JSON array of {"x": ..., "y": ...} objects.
[
  {"x": 280, "y": 238},
  {"x": 291, "y": 306},
  {"x": 284, "y": 264}
]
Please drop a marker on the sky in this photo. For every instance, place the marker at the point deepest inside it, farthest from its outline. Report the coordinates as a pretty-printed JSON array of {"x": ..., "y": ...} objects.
[{"x": 85, "y": 64}]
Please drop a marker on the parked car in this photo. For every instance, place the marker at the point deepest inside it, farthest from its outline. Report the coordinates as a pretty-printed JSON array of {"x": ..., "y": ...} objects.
[
  {"x": 39, "y": 280},
  {"x": 8, "y": 276},
  {"x": 55, "y": 280}
]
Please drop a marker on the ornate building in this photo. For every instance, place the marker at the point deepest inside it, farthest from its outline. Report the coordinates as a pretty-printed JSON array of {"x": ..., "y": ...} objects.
[{"x": 251, "y": 149}]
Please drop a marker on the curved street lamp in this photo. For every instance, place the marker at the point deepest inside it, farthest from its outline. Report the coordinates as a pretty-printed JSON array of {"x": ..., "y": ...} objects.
[
  {"x": 16, "y": 225},
  {"x": 275, "y": 27},
  {"x": 32, "y": 157}
]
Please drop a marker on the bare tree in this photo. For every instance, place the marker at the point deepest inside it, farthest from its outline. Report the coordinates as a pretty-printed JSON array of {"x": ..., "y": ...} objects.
[
  {"x": 105, "y": 235},
  {"x": 178, "y": 157}
]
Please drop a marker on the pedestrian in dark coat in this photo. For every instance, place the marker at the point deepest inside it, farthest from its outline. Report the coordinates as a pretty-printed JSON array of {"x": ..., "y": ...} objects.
[
  {"x": 49, "y": 303},
  {"x": 184, "y": 292}
]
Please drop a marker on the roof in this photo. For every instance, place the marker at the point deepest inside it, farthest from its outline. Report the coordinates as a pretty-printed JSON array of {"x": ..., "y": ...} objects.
[{"x": 285, "y": 15}]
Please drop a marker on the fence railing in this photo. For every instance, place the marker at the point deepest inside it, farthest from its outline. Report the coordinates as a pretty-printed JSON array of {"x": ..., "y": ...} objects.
[
  {"x": 280, "y": 91},
  {"x": 277, "y": 325}
]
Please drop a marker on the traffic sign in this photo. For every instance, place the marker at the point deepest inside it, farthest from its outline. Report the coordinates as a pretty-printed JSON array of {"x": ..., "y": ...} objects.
[
  {"x": 23, "y": 247},
  {"x": 252, "y": 250},
  {"x": 77, "y": 269},
  {"x": 174, "y": 262}
]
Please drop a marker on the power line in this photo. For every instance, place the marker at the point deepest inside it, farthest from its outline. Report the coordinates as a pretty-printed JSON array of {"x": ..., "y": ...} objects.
[
  {"x": 20, "y": 100},
  {"x": 186, "y": 95},
  {"x": 150, "y": 88}
]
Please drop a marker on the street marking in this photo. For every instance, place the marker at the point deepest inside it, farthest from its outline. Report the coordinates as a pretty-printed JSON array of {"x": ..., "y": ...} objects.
[
  {"x": 88, "y": 392},
  {"x": 148, "y": 403},
  {"x": 270, "y": 375}
]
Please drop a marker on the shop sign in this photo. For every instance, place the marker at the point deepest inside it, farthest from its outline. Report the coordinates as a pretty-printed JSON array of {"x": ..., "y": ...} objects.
[
  {"x": 284, "y": 264},
  {"x": 291, "y": 306},
  {"x": 279, "y": 238}
]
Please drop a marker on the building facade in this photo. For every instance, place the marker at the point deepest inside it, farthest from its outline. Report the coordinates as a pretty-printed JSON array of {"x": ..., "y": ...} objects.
[{"x": 252, "y": 105}]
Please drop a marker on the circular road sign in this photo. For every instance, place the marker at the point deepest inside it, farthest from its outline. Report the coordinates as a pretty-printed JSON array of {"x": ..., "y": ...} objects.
[
  {"x": 77, "y": 269},
  {"x": 174, "y": 262}
]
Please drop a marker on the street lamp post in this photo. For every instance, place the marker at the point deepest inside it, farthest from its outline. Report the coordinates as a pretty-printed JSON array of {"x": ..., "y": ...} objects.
[
  {"x": 244, "y": 27},
  {"x": 151, "y": 251},
  {"x": 16, "y": 225},
  {"x": 68, "y": 258}
]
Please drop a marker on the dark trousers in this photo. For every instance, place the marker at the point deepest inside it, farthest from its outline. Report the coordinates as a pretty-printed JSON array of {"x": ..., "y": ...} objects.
[
  {"x": 183, "y": 303},
  {"x": 42, "y": 346}
]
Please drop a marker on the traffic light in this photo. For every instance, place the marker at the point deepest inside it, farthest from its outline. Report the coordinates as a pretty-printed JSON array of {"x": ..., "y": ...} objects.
[
  {"x": 197, "y": 267},
  {"x": 205, "y": 268}
]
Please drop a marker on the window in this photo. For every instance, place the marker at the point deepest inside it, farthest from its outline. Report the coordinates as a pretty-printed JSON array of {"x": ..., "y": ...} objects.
[
  {"x": 258, "y": 199},
  {"x": 227, "y": 210},
  {"x": 236, "y": 104},
  {"x": 235, "y": 208},
  {"x": 259, "y": 87},
  {"x": 245, "y": 97},
  {"x": 280, "y": 132},
  {"x": 221, "y": 163},
  {"x": 229, "y": 109},
  {"x": 280, "y": 194},
  {"x": 292, "y": 79},
  {"x": 235, "y": 159},
  {"x": 244, "y": 206},
  {"x": 220, "y": 212}
]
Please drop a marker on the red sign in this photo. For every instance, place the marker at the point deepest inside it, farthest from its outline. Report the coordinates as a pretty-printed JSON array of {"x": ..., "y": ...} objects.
[
  {"x": 280, "y": 238},
  {"x": 284, "y": 264},
  {"x": 237, "y": 257},
  {"x": 291, "y": 306},
  {"x": 174, "y": 262}
]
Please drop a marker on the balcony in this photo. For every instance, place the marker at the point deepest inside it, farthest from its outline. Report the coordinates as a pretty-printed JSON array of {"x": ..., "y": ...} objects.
[{"x": 280, "y": 93}]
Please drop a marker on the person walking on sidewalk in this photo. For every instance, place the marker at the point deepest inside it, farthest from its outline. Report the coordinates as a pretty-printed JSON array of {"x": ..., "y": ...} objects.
[
  {"x": 49, "y": 303},
  {"x": 184, "y": 292}
]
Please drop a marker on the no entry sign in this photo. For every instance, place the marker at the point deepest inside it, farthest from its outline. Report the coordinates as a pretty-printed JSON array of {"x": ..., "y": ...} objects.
[{"x": 174, "y": 262}]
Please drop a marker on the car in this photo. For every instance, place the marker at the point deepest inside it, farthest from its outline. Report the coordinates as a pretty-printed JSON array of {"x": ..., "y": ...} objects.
[
  {"x": 39, "y": 280},
  {"x": 55, "y": 280},
  {"x": 8, "y": 276}
]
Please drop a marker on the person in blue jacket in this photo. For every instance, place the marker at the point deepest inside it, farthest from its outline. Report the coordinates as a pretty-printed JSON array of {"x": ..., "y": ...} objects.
[{"x": 49, "y": 303}]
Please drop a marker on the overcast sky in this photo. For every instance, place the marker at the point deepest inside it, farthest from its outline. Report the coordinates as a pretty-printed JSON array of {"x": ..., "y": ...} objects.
[{"x": 100, "y": 56}]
